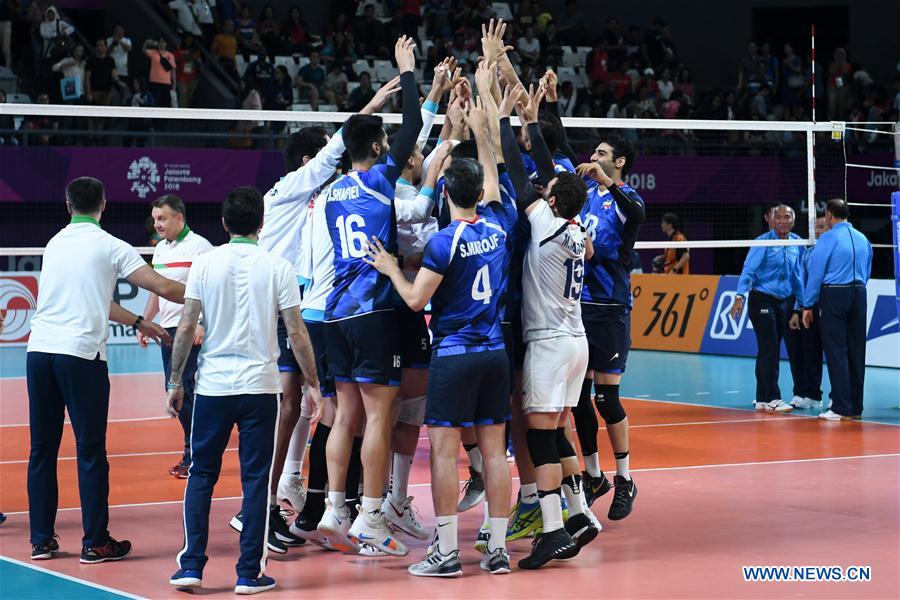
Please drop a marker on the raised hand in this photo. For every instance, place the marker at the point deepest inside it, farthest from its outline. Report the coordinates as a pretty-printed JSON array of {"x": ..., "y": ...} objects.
[
  {"x": 492, "y": 40},
  {"x": 476, "y": 117},
  {"x": 529, "y": 112},
  {"x": 455, "y": 114},
  {"x": 403, "y": 53},
  {"x": 484, "y": 78},
  {"x": 596, "y": 172},
  {"x": 381, "y": 96},
  {"x": 549, "y": 82},
  {"x": 444, "y": 75},
  {"x": 509, "y": 99}
]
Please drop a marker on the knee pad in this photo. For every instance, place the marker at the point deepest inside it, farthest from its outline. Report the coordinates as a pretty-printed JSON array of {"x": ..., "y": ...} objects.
[
  {"x": 542, "y": 446},
  {"x": 563, "y": 445},
  {"x": 411, "y": 411},
  {"x": 608, "y": 404}
]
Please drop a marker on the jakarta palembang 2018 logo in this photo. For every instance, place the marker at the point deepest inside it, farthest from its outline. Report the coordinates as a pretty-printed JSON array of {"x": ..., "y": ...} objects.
[{"x": 144, "y": 176}]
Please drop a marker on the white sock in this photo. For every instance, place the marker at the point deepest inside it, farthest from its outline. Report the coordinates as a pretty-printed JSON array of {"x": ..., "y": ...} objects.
[
  {"x": 370, "y": 505},
  {"x": 487, "y": 514},
  {"x": 592, "y": 465},
  {"x": 446, "y": 534},
  {"x": 528, "y": 493},
  {"x": 622, "y": 465},
  {"x": 401, "y": 466},
  {"x": 574, "y": 496},
  {"x": 498, "y": 533},
  {"x": 297, "y": 448},
  {"x": 338, "y": 499},
  {"x": 551, "y": 511},
  {"x": 475, "y": 459}
]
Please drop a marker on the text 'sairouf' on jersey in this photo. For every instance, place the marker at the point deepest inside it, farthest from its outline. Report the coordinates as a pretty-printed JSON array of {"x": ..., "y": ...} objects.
[
  {"x": 607, "y": 276},
  {"x": 359, "y": 206}
]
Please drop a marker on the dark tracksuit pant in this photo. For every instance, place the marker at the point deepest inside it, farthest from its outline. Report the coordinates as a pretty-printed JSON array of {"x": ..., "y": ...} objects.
[
  {"x": 769, "y": 316},
  {"x": 56, "y": 383},
  {"x": 256, "y": 417},
  {"x": 842, "y": 319},
  {"x": 804, "y": 347},
  {"x": 187, "y": 382}
]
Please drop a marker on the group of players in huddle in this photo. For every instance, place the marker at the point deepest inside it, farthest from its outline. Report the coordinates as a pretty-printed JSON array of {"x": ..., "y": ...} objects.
[{"x": 525, "y": 261}]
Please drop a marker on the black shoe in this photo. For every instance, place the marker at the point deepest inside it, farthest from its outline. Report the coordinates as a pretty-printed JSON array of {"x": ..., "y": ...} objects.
[
  {"x": 45, "y": 551},
  {"x": 581, "y": 529},
  {"x": 556, "y": 545},
  {"x": 594, "y": 487},
  {"x": 278, "y": 526},
  {"x": 272, "y": 542},
  {"x": 113, "y": 550},
  {"x": 623, "y": 499}
]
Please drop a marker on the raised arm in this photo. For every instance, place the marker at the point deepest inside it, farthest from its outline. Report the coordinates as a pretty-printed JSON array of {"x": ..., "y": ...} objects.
[
  {"x": 495, "y": 51},
  {"x": 405, "y": 140},
  {"x": 484, "y": 82},
  {"x": 476, "y": 119},
  {"x": 629, "y": 207},
  {"x": 526, "y": 195}
]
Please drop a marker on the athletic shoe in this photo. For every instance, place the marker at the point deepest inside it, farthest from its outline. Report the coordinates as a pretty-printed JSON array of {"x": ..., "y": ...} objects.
[
  {"x": 484, "y": 534},
  {"x": 799, "y": 402},
  {"x": 556, "y": 545},
  {"x": 594, "y": 520},
  {"x": 525, "y": 519},
  {"x": 404, "y": 518},
  {"x": 830, "y": 415},
  {"x": 2, "y": 518},
  {"x": 473, "y": 491},
  {"x": 623, "y": 499},
  {"x": 292, "y": 490},
  {"x": 278, "y": 526},
  {"x": 369, "y": 550},
  {"x": 594, "y": 487},
  {"x": 437, "y": 565},
  {"x": 45, "y": 551},
  {"x": 580, "y": 528},
  {"x": 496, "y": 562},
  {"x": 251, "y": 585},
  {"x": 372, "y": 529},
  {"x": 776, "y": 406},
  {"x": 335, "y": 525},
  {"x": 179, "y": 471},
  {"x": 306, "y": 529},
  {"x": 272, "y": 542},
  {"x": 187, "y": 578},
  {"x": 113, "y": 550}
]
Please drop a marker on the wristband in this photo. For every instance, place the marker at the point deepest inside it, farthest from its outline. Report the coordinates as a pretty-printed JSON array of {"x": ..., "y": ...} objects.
[
  {"x": 138, "y": 321},
  {"x": 172, "y": 386}
]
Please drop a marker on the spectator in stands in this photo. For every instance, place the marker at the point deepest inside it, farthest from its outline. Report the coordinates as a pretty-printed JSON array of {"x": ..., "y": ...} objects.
[
  {"x": 140, "y": 97},
  {"x": 412, "y": 18},
  {"x": 369, "y": 35},
  {"x": 225, "y": 46},
  {"x": 187, "y": 60},
  {"x": 206, "y": 18},
  {"x": 100, "y": 78},
  {"x": 677, "y": 261},
  {"x": 41, "y": 123},
  {"x": 572, "y": 25},
  {"x": 685, "y": 85},
  {"x": 393, "y": 28},
  {"x": 268, "y": 30},
  {"x": 72, "y": 69},
  {"x": 551, "y": 46},
  {"x": 162, "y": 71},
  {"x": 309, "y": 79},
  {"x": 759, "y": 105},
  {"x": 245, "y": 29},
  {"x": 55, "y": 35},
  {"x": 670, "y": 55},
  {"x": 340, "y": 24},
  {"x": 633, "y": 43},
  {"x": 664, "y": 84},
  {"x": 838, "y": 85},
  {"x": 250, "y": 100},
  {"x": 118, "y": 46},
  {"x": 261, "y": 71},
  {"x": 362, "y": 95},
  {"x": 771, "y": 63},
  {"x": 334, "y": 88},
  {"x": 529, "y": 47},
  {"x": 748, "y": 66},
  {"x": 458, "y": 50},
  {"x": 526, "y": 16},
  {"x": 484, "y": 12},
  {"x": 437, "y": 18},
  {"x": 596, "y": 62},
  {"x": 293, "y": 32},
  {"x": 227, "y": 9},
  {"x": 646, "y": 102},
  {"x": 594, "y": 105},
  {"x": 280, "y": 96},
  {"x": 653, "y": 51},
  {"x": 792, "y": 79},
  {"x": 648, "y": 80},
  {"x": 613, "y": 40},
  {"x": 6, "y": 17},
  {"x": 567, "y": 99},
  {"x": 338, "y": 51},
  {"x": 180, "y": 12}
]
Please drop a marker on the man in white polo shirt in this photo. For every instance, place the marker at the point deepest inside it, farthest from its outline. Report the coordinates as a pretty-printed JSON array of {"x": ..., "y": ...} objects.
[
  {"x": 172, "y": 258},
  {"x": 66, "y": 366},
  {"x": 241, "y": 289}
]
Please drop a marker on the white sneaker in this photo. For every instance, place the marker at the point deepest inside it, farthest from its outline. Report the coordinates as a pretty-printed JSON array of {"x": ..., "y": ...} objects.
[
  {"x": 312, "y": 535},
  {"x": 373, "y": 530},
  {"x": 594, "y": 520},
  {"x": 335, "y": 525},
  {"x": 369, "y": 550},
  {"x": 292, "y": 490},
  {"x": 776, "y": 406},
  {"x": 830, "y": 415},
  {"x": 403, "y": 518}
]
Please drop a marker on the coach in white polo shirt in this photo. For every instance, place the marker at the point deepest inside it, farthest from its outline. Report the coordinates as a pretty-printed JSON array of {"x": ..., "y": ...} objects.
[
  {"x": 66, "y": 366},
  {"x": 241, "y": 290},
  {"x": 172, "y": 259}
]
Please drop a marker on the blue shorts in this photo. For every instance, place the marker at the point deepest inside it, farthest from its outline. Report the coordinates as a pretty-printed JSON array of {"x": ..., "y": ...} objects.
[
  {"x": 286, "y": 360},
  {"x": 608, "y": 329},
  {"x": 316, "y": 331},
  {"x": 468, "y": 389},
  {"x": 513, "y": 336},
  {"x": 364, "y": 349},
  {"x": 415, "y": 339}
]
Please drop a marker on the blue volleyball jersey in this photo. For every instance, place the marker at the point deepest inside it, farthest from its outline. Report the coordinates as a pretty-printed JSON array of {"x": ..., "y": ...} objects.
[
  {"x": 358, "y": 206},
  {"x": 472, "y": 256},
  {"x": 607, "y": 276}
]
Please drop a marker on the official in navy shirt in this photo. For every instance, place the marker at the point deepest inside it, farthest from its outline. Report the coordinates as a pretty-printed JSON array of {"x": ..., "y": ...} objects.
[{"x": 838, "y": 272}]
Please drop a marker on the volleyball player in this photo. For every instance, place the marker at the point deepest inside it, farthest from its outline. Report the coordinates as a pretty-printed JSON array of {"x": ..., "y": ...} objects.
[
  {"x": 172, "y": 258},
  {"x": 468, "y": 386},
  {"x": 556, "y": 354},
  {"x": 612, "y": 215},
  {"x": 241, "y": 289},
  {"x": 361, "y": 323}
]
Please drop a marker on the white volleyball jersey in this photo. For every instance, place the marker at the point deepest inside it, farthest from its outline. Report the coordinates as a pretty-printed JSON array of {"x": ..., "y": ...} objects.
[
  {"x": 552, "y": 276},
  {"x": 319, "y": 261}
]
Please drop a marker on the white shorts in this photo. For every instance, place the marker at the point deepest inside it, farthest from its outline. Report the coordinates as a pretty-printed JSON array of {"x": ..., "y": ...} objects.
[
  {"x": 553, "y": 373},
  {"x": 411, "y": 411}
]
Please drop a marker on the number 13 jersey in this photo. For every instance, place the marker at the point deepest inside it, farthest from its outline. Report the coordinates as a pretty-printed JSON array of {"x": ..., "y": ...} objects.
[{"x": 552, "y": 276}]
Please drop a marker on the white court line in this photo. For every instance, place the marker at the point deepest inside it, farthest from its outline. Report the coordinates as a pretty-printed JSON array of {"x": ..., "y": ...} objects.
[
  {"x": 71, "y": 578},
  {"x": 131, "y": 455},
  {"x": 732, "y": 391},
  {"x": 131, "y": 420},
  {"x": 672, "y": 395},
  {"x": 703, "y": 393}
]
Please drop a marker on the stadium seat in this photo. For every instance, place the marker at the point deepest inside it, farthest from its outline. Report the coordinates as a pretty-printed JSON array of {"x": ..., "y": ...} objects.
[
  {"x": 16, "y": 98},
  {"x": 384, "y": 70},
  {"x": 328, "y": 107},
  {"x": 352, "y": 85},
  {"x": 503, "y": 11},
  {"x": 361, "y": 65}
]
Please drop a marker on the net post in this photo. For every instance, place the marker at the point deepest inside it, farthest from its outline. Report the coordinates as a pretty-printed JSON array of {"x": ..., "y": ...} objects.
[
  {"x": 811, "y": 184},
  {"x": 812, "y": 56}
]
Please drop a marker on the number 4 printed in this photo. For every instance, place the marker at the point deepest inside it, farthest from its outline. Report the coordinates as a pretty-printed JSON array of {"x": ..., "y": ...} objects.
[{"x": 481, "y": 287}]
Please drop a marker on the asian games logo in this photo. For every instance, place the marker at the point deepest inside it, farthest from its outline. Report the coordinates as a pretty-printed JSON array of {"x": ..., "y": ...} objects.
[
  {"x": 18, "y": 301},
  {"x": 144, "y": 176}
]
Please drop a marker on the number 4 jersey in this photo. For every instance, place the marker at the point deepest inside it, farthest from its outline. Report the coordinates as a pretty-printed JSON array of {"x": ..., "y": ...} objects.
[
  {"x": 472, "y": 257},
  {"x": 552, "y": 276}
]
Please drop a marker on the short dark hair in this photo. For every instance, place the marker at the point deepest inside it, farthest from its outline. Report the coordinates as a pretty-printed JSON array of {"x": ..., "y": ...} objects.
[
  {"x": 838, "y": 208},
  {"x": 306, "y": 142},
  {"x": 464, "y": 180},
  {"x": 85, "y": 195},
  {"x": 360, "y": 132},
  {"x": 170, "y": 200},
  {"x": 570, "y": 192},
  {"x": 621, "y": 148},
  {"x": 552, "y": 131},
  {"x": 465, "y": 149},
  {"x": 673, "y": 220},
  {"x": 243, "y": 210}
]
